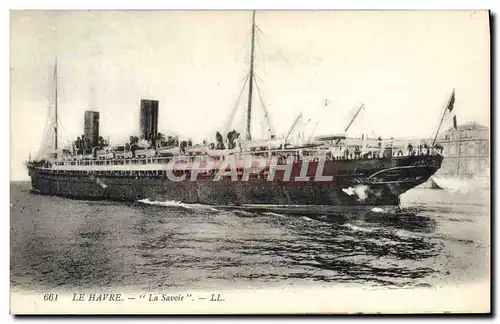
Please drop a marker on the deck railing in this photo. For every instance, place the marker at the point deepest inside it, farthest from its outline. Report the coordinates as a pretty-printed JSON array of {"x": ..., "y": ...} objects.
[{"x": 285, "y": 156}]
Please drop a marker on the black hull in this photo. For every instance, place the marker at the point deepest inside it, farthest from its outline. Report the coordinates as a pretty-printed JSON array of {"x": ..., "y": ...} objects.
[{"x": 362, "y": 182}]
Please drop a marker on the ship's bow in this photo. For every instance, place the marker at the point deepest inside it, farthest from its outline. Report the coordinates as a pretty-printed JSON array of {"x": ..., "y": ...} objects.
[{"x": 398, "y": 175}]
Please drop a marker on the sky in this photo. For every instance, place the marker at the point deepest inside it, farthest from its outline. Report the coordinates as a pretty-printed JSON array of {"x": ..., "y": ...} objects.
[{"x": 401, "y": 65}]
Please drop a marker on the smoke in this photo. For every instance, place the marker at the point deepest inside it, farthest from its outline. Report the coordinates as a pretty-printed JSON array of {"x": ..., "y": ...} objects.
[{"x": 361, "y": 191}]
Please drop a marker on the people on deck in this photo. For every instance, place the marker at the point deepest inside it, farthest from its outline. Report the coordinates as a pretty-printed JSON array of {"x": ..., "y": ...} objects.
[{"x": 410, "y": 149}]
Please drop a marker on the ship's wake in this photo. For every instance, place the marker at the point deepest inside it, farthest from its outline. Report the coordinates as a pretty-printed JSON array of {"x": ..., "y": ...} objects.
[
  {"x": 357, "y": 228},
  {"x": 272, "y": 214},
  {"x": 280, "y": 211},
  {"x": 176, "y": 204},
  {"x": 167, "y": 203}
]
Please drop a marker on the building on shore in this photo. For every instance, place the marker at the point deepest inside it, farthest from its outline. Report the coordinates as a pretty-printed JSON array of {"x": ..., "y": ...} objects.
[{"x": 466, "y": 151}]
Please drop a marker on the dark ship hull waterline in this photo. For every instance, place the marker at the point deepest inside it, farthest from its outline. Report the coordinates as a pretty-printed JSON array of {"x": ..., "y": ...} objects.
[{"x": 378, "y": 181}]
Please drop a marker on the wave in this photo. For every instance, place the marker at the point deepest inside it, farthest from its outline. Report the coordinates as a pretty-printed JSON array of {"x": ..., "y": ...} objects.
[
  {"x": 243, "y": 213},
  {"x": 167, "y": 203},
  {"x": 461, "y": 186},
  {"x": 406, "y": 234},
  {"x": 358, "y": 228},
  {"x": 274, "y": 214},
  {"x": 177, "y": 204}
]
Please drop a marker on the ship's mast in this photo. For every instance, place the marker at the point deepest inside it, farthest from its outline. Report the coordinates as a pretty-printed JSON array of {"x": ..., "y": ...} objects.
[
  {"x": 250, "y": 84},
  {"x": 56, "y": 116}
]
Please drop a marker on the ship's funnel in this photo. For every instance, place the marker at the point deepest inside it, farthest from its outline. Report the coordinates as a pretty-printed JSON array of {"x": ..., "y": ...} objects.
[
  {"x": 91, "y": 127},
  {"x": 149, "y": 119}
]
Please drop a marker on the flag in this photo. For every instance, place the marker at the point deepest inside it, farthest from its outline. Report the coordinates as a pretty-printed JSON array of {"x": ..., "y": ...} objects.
[
  {"x": 449, "y": 108},
  {"x": 451, "y": 103}
]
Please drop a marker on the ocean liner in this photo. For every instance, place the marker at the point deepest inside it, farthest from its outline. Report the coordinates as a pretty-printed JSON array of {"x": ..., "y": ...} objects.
[{"x": 323, "y": 171}]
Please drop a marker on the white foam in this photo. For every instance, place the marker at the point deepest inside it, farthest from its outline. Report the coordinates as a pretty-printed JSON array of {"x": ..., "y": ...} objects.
[
  {"x": 349, "y": 191},
  {"x": 360, "y": 191},
  {"x": 406, "y": 234},
  {"x": 175, "y": 203},
  {"x": 203, "y": 207},
  {"x": 460, "y": 186},
  {"x": 167, "y": 203},
  {"x": 357, "y": 228},
  {"x": 274, "y": 214}
]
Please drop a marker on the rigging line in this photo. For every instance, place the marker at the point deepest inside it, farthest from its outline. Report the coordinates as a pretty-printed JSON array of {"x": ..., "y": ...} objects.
[
  {"x": 48, "y": 125},
  {"x": 233, "y": 111},
  {"x": 47, "y": 132},
  {"x": 311, "y": 137},
  {"x": 241, "y": 48},
  {"x": 266, "y": 112},
  {"x": 245, "y": 77},
  {"x": 258, "y": 77},
  {"x": 48, "y": 129},
  {"x": 261, "y": 52},
  {"x": 64, "y": 133},
  {"x": 263, "y": 58},
  {"x": 257, "y": 27},
  {"x": 261, "y": 32}
]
